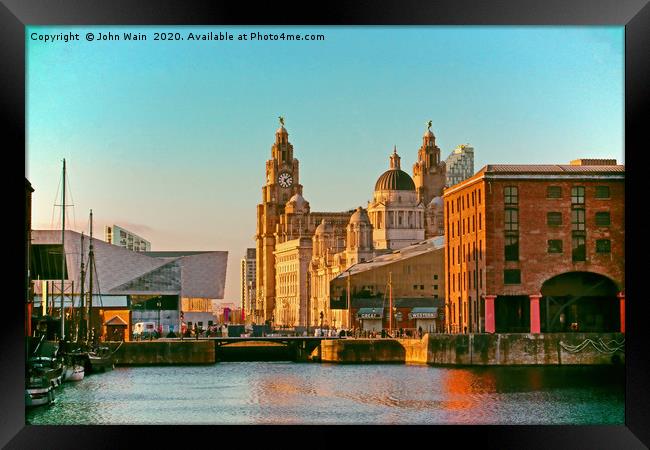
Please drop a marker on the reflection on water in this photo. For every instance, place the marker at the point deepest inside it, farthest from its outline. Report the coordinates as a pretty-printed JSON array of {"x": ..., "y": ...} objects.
[{"x": 287, "y": 393}]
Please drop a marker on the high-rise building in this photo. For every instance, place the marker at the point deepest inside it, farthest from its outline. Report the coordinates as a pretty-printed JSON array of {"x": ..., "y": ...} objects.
[
  {"x": 247, "y": 285},
  {"x": 124, "y": 238},
  {"x": 460, "y": 164}
]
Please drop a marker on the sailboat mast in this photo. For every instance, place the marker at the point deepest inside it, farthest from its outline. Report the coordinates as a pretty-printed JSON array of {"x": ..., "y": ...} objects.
[
  {"x": 82, "y": 310},
  {"x": 91, "y": 264},
  {"x": 63, "y": 253}
]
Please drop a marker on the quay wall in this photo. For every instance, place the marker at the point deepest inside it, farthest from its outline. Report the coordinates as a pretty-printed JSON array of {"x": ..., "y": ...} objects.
[
  {"x": 482, "y": 349},
  {"x": 165, "y": 353}
]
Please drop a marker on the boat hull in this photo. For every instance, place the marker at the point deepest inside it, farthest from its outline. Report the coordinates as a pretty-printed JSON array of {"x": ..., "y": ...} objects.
[
  {"x": 74, "y": 373},
  {"x": 39, "y": 396},
  {"x": 100, "y": 364}
]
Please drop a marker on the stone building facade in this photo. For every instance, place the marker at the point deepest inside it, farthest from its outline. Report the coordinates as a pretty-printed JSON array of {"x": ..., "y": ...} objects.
[
  {"x": 402, "y": 212},
  {"x": 536, "y": 248}
]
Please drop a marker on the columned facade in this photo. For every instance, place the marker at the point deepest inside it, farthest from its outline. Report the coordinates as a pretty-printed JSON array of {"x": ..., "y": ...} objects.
[
  {"x": 534, "y": 313},
  {"x": 621, "y": 301},
  {"x": 490, "y": 324},
  {"x": 396, "y": 215}
]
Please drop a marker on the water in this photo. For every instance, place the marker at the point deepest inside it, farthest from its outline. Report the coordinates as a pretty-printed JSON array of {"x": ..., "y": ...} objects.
[{"x": 292, "y": 393}]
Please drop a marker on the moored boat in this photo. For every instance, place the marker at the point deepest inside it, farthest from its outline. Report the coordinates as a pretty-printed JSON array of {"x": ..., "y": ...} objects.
[
  {"x": 49, "y": 367},
  {"x": 38, "y": 390},
  {"x": 101, "y": 360},
  {"x": 74, "y": 371}
]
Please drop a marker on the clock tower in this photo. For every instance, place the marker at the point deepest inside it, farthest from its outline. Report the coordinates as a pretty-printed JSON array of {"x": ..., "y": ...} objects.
[{"x": 282, "y": 182}]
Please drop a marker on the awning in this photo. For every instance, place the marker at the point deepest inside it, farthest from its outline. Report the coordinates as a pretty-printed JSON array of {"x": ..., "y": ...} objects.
[
  {"x": 370, "y": 313},
  {"x": 424, "y": 313}
]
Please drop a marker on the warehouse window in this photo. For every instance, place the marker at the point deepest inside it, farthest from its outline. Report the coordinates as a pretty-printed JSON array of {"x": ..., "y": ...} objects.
[
  {"x": 554, "y": 246},
  {"x": 554, "y": 218},
  {"x": 602, "y": 219},
  {"x": 512, "y": 276},
  {"x": 602, "y": 191},
  {"x": 578, "y": 219},
  {"x": 512, "y": 220},
  {"x": 579, "y": 252},
  {"x": 603, "y": 246},
  {"x": 511, "y": 195},
  {"x": 578, "y": 195},
  {"x": 554, "y": 192},
  {"x": 512, "y": 248}
]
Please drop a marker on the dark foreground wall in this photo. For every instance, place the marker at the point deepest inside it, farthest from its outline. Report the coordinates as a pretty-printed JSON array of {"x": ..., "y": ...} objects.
[
  {"x": 165, "y": 352},
  {"x": 482, "y": 349}
]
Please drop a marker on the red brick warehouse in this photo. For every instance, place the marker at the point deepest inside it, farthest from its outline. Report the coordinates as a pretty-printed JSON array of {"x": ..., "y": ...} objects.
[{"x": 536, "y": 248}]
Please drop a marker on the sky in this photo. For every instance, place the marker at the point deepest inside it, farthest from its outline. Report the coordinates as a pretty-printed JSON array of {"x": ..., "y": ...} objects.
[{"x": 169, "y": 138}]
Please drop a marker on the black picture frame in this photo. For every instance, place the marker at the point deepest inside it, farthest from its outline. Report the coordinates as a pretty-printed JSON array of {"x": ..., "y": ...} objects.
[{"x": 633, "y": 14}]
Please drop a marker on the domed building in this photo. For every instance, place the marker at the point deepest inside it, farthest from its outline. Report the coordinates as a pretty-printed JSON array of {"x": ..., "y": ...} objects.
[
  {"x": 396, "y": 215},
  {"x": 299, "y": 251}
]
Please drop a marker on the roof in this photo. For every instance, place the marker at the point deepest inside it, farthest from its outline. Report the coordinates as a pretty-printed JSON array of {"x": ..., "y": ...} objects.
[
  {"x": 411, "y": 251},
  {"x": 541, "y": 171},
  {"x": 550, "y": 169},
  {"x": 116, "y": 320},
  {"x": 173, "y": 254},
  {"x": 395, "y": 180},
  {"x": 122, "y": 271}
]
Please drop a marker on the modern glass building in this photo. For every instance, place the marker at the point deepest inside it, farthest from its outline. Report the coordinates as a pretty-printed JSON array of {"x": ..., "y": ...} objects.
[
  {"x": 136, "y": 286},
  {"x": 124, "y": 238}
]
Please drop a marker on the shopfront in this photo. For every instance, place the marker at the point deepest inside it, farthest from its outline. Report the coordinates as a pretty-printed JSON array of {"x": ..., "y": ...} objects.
[
  {"x": 371, "y": 318},
  {"x": 426, "y": 318}
]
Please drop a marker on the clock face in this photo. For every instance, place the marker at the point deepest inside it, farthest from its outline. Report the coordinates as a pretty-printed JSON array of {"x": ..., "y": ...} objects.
[{"x": 285, "y": 179}]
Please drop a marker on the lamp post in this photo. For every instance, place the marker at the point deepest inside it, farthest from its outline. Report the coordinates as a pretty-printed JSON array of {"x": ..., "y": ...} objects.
[
  {"x": 396, "y": 319},
  {"x": 349, "y": 301}
]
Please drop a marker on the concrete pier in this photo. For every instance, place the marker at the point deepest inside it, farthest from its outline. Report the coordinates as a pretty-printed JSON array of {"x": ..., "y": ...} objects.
[
  {"x": 434, "y": 349},
  {"x": 482, "y": 349},
  {"x": 165, "y": 353}
]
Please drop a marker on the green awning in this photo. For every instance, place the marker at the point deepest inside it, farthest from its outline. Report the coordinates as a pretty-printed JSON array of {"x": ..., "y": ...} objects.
[
  {"x": 370, "y": 313},
  {"x": 424, "y": 313}
]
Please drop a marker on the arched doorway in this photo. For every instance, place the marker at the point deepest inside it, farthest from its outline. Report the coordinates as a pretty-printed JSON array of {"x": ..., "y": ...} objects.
[{"x": 579, "y": 301}]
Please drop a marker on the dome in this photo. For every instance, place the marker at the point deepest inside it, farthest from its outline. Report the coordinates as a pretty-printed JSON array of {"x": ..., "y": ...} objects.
[
  {"x": 298, "y": 203},
  {"x": 436, "y": 203},
  {"x": 359, "y": 216},
  {"x": 395, "y": 180},
  {"x": 322, "y": 228},
  {"x": 281, "y": 130},
  {"x": 428, "y": 133}
]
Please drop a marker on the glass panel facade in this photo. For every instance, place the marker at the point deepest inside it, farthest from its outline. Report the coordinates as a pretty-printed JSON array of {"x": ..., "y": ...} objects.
[{"x": 165, "y": 278}]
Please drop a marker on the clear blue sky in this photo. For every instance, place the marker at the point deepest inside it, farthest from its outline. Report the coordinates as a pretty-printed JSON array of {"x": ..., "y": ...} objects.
[{"x": 170, "y": 138}]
